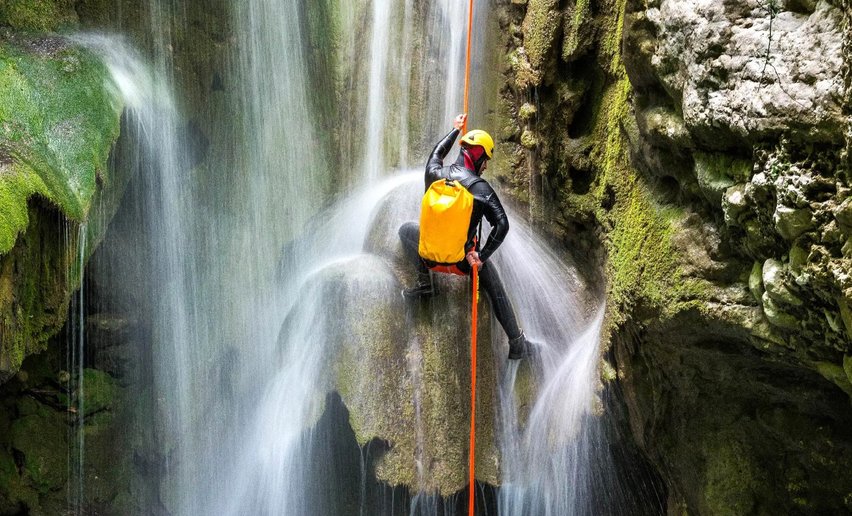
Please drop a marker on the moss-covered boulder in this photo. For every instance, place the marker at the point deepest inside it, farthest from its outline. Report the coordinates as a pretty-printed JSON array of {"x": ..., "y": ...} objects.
[
  {"x": 403, "y": 373},
  {"x": 59, "y": 117}
]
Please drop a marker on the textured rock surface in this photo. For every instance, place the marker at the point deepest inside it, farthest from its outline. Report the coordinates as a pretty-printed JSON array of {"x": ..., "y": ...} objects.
[
  {"x": 403, "y": 374},
  {"x": 58, "y": 121},
  {"x": 703, "y": 148},
  {"x": 42, "y": 428}
]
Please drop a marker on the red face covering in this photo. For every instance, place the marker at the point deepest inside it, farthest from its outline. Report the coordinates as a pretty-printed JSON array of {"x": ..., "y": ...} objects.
[{"x": 472, "y": 155}]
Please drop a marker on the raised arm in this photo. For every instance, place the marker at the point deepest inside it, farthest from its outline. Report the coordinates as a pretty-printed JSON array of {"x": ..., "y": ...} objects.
[{"x": 436, "y": 159}]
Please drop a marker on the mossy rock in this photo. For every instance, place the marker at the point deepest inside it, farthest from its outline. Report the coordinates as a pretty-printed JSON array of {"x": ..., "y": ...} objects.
[
  {"x": 37, "y": 15},
  {"x": 59, "y": 117},
  {"x": 729, "y": 486},
  {"x": 402, "y": 374},
  {"x": 540, "y": 27},
  {"x": 42, "y": 439},
  {"x": 100, "y": 391}
]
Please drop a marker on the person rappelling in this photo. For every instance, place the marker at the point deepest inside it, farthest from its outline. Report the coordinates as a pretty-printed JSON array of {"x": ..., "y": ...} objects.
[{"x": 446, "y": 240}]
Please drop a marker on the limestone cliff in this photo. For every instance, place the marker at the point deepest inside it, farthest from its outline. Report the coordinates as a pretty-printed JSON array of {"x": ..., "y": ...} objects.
[{"x": 704, "y": 148}]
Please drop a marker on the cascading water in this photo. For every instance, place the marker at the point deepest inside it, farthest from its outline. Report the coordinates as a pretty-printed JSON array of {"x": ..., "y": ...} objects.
[
  {"x": 376, "y": 105},
  {"x": 244, "y": 332}
]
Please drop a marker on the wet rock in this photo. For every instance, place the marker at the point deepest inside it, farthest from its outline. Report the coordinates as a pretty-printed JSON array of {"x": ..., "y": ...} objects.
[
  {"x": 41, "y": 437},
  {"x": 843, "y": 214},
  {"x": 755, "y": 281},
  {"x": 776, "y": 316},
  {"x": 774, "y": 281},
  {"x": 791, "y": 222},
  {"x": 734, "y": 204},
  {"x": 402, "y": 369},
  {"x": 713, "y": 176}
]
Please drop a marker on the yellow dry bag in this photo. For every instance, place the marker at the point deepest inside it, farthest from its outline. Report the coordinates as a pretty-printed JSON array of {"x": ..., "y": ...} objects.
[{"x": 444, "y": 220}]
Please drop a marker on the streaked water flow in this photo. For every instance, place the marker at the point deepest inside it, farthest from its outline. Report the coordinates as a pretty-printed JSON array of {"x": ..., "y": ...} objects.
[{"x": 245, "y": 286}]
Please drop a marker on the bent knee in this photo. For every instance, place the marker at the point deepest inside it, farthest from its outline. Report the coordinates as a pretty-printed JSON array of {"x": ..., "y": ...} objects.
[{"x": 409, "y": 230}]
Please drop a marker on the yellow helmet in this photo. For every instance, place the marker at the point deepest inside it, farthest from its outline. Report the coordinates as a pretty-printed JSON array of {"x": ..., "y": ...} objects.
[{"x": 479, "y": 137}]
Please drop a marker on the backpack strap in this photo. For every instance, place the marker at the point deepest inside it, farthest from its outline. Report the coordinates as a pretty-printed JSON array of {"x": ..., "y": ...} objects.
[{"x": 466, "y": 178}]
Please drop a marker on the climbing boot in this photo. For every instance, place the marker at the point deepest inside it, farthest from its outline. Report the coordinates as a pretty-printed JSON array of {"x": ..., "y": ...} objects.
[
  {"x": 422, "y": 289},
  {"x": 521, "y": 347}
]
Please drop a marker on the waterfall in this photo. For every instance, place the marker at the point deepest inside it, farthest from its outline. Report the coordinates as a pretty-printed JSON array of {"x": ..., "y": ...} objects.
[
  {"x": 376, "y": 105},
  {"x": 246, "y": 267},
  {"x": 169, "y": 224}
]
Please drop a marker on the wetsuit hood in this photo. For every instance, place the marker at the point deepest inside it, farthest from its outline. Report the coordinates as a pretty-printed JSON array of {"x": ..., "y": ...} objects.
[{"x": 472, "y": 158}]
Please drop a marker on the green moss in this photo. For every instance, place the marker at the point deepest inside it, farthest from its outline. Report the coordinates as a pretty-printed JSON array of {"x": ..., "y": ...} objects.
[
  {"x": 540, "y": 27},
  {"x": 573, "y": 29},
  {"x": 642, "y": 262},
  {"x": 36, "y": 15},
  {"x": 58, "y": 121},
  {"x": 729, "y": 481},
  {"x": 612, "y": 37},
  {"x": 42, "y": 439},
  {"x": 100, "y": 391}
]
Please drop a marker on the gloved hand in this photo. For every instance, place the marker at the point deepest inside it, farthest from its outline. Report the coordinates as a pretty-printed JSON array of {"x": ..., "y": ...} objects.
[
  {"x": 458, "y": 123},
  {"x": 472, "y": 258}
]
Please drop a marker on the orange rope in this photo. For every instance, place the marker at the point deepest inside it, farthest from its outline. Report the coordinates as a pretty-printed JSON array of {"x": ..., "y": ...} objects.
[
  {"x": 471, "y": 500},
  {"x": 475, "y": 272},
  {"x": 467, "y": 65}
]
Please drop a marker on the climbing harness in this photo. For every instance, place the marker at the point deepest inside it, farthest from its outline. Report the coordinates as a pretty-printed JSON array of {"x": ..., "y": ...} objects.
[{"x": 471, "y": 503}]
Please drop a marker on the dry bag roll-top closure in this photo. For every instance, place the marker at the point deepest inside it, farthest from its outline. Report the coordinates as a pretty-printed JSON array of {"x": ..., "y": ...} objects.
[{"x": 444, "y": 220}]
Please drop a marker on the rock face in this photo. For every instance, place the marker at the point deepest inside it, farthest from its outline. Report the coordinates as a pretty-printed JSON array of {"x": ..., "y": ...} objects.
[
  {"x": 703, "y": 147},
  {"x": 58, "y": 121},
  {"x": 394, "y": 354}
]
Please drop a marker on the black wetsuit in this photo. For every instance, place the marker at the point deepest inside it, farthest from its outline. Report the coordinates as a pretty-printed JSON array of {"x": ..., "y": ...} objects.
[{"x": 486, "y": 204}]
